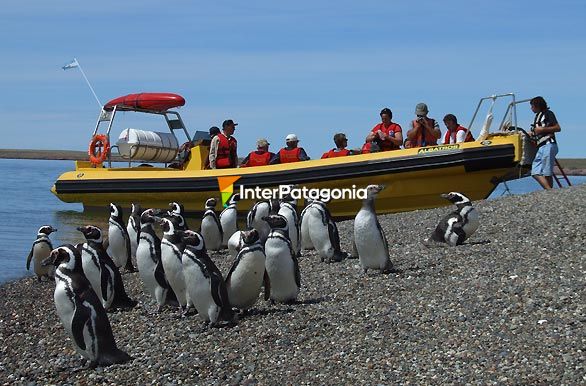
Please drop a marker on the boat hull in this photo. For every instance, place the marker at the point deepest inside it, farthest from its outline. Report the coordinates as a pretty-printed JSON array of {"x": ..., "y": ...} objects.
[{"x": 414, "y": 178}]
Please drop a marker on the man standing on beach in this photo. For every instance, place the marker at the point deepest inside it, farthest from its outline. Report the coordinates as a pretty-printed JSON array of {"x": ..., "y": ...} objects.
[{"x": 544, "y": 127}]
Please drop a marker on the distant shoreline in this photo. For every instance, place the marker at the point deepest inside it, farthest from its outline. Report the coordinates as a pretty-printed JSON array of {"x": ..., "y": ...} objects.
[{"x": 572, "y": 166}]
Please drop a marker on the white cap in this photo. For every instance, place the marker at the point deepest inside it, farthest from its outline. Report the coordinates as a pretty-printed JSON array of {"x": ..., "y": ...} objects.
[{"x": 291, "y": 138}]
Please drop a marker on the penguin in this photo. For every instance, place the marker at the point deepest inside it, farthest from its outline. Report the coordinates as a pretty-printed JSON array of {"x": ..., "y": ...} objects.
[
  {"x": 204, "y": 281},
  {"x": 177, "y": 210},
  {"x": 148, "y": 260},
  {"x": 133, "y": 228},
  {"x": 229, "y": 219},
  {"x": 101, "y": 272},
  {"x": 288, "y": 209},
  {"x": 322, "y": 231},
  {"x": 254, "y": 218},
  {"x": 369, "y": 238},
  {"x": 235, "y": 243},
  {"x": 281, "y": 262},
  {"x": 304, "y": 239},
  {"x": 40, "y": 250},
  {"x": 81, "y": 311},
  {"x": 248, "y": 273},
  {"x": 458, "y": 225},
  {"x": 118, "y": 240},
  {"x": 171, "y": 252},
  {"x": 211, "y": 229}
]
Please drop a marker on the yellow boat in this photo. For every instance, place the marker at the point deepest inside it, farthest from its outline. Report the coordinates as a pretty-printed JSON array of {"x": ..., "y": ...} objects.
[{"x": 415, "y": 178}]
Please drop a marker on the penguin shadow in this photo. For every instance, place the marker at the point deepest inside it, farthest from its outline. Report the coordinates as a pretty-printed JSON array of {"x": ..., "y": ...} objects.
[
  {"x": 264, "y": 312},
  {"x": 307, "y": 302},
  {"x": 481, "y": 242}
]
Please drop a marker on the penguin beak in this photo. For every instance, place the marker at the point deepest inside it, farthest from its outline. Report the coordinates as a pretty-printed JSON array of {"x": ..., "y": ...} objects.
[
  {"x": 445, "y": 195},
  {"x": 81, "y": 229}
]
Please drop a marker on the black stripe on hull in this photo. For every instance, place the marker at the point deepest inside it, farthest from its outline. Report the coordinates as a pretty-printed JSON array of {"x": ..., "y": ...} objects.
[{"x": 476, "y": 159}]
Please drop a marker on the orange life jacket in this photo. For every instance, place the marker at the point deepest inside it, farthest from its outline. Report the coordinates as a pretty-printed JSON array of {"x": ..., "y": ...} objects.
[
  {"x": 336, "y": 153},
  {"x": 387, "y": 145},
  {"x": 430, "y": 140},
  {"x": 469, "y": 137},
  {"x": 226, "y": 152},
  {"x": 259, "y": 158},
  {"x": 287, "y": 156}
]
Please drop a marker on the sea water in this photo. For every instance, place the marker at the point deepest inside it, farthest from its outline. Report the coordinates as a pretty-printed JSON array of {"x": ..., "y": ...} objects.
[{"x": 26, "y": 203}]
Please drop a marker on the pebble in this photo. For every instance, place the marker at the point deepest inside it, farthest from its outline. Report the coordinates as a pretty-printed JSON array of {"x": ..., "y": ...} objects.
[{"x": 463, "y": 315}]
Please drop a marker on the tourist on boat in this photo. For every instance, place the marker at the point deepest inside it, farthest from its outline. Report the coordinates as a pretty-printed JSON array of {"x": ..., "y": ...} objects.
[
  {"x": 388, "y": 135},
  {"x": 424, "y": 131},
  {"x": 262, "y": 156},
  {"x": 543, "y": 130},
  {"x": 340, "y": 150},
  {"x": 214, "y": 130},
  {"x": 290, "y": 153},
  {"x": 223, "y": 149},
  {"x": 456, "y": 133}
]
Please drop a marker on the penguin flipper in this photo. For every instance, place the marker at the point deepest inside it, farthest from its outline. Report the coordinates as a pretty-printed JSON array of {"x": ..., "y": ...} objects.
[
  {"x": 29, "y": 258},
  {"x": 267, "y": 284},
  {"x": 384, "y": 238},
  {"x": 160, "y": 275},
  {"x": 296, "y": 270},
  {"x": 233, "y": 267}
]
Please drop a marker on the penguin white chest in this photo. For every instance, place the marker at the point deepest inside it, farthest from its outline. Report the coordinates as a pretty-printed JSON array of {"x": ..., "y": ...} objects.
[
  {"x": 200, "y": 293},
  {"x": 228, "y": 220},
  {"x": 281, "y": 270},
  {"x": 41, "y": 252},
  {"x": 370, "y": 243},
  {"x": 92, "y": 270},
  {"x": 64, "y": 305},
  {"x": 146, "y": 266},
  {"x": 472, "y": 221},
  {"x": 246, "y": 280},
  {"x": 211, "y": 233},
  {"x": 171, "y": 260},
  {"x": 117, "y": 248}
]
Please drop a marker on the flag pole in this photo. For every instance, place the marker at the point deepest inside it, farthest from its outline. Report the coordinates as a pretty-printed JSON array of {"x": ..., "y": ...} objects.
[{"x": 75, "y": 63}]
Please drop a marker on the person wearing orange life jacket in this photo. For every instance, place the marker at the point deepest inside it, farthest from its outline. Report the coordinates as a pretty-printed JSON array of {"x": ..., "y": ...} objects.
[
  {"x": 290, "y": 153},
  {"x": 388, "y": 135},
  {"x": 260, "y": 157},
  {"x": 424, "y": 131},
  {"x": 340, "y": 150},
  {"x": 223, "y": 149},
  {"x": 455, "y": 133}
]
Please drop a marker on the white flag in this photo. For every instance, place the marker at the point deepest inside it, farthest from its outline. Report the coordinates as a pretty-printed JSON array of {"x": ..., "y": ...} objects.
[{"x": 73, "y": 64}]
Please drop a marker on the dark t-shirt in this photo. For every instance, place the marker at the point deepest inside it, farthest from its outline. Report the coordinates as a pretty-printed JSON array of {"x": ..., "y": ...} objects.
[{"x": 549, "y": 118}]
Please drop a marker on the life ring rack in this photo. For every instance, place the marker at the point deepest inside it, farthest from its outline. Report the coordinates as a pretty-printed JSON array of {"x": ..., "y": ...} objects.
[{"x": 99, "y": 149}]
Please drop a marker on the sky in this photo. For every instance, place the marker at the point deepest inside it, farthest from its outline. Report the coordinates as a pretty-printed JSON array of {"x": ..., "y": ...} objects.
[{"x": 313, "y": 68}]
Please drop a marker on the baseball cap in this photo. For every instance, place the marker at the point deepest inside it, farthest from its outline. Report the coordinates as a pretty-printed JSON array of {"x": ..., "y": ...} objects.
[
  {"x": 262, "y": 142},
  {"x": 421, "y": 109},
  {"x": 228, "y": 122},
  {"x": 291, "y": 138}
]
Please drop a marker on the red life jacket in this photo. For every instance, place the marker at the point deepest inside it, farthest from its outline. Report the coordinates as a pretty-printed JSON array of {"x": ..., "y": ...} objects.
[
  {"x": 366, "y": 148},
  {"x": 226, "y": 152},
  {"x": 259, "y": 158},
  {"x": 469, "y": 137},
  {"x": 387, "y": 145},
  {"x": 336, "y": 153},
  {"x": 287, "y": 156},
  {"x": 430, "y": 140}
]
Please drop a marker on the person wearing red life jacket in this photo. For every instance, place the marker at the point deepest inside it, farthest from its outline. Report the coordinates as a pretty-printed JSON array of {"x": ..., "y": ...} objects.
[
  {"x": 262, "y": 156},
  {"x": 340, "y": 150},
  {"x": 455, "y": 133},
  {"x": 290, "y": 153},
  {"x": 223, "y": 149},
  {"x": 387, "y": 135},
  {"x": 424, "y": 131}
]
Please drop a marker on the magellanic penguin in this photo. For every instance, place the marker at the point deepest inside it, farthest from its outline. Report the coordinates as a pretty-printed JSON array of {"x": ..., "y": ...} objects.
[
  {"x": 101, "y": 271},
  {"x": 81, "y": 311},
  {"x": 176, "y": 210},
  {"x": 172, "y": 248},
  {"x": 119, "y": 248},
  {"x": 254, "y": 218},
  {"x": 369, "y": 238},
  {"x": 40, "y": 250},
  {"x": 319, "y": 226},
  {"x": 211, "y": 229},
  {"x": 235, "y": 243},
  {"x": 459, "y": 224},
  {"x": 148, "y": 260},
  {"x": 133, "y": 228},
  {"x": 205, "y": 284},
  {"x": 229, "y": 218},
  {"x": 281, "y": 262},
  {"x": 248, "y": 273},
  {"x": 288, "y": 209}
]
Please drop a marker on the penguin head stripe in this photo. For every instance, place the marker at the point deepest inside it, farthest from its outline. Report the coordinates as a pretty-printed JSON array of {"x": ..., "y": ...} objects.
[
  {"x": 234, "y": 199},
  {"x": 456, "y": 198},
  {"x": 373, "y": 190},
  {"x": 115, "y": 210},
  {"x": 168, "y": 226},
  {"x": 211, "y": 203},
  {"x": 136, "y": 209},
  {"x": 193, "y": 239},
  {"x": 66, "y": 255},
  {"x": 46, "y": 230},
  {"x": 91, "y": 232},
  {"x": 176, "y": 208},
  {"x": 148, "y": 216},
  {"x": 276, "y": 221},
  {"x": 250, "y": 236}
]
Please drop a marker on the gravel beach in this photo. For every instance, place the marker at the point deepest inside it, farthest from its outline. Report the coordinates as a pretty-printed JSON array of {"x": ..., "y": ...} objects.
[{"x": 507, "y": 307}]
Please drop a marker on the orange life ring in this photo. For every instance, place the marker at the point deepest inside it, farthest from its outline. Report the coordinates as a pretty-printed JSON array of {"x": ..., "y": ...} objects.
[{"x": 99, "y": 149}]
